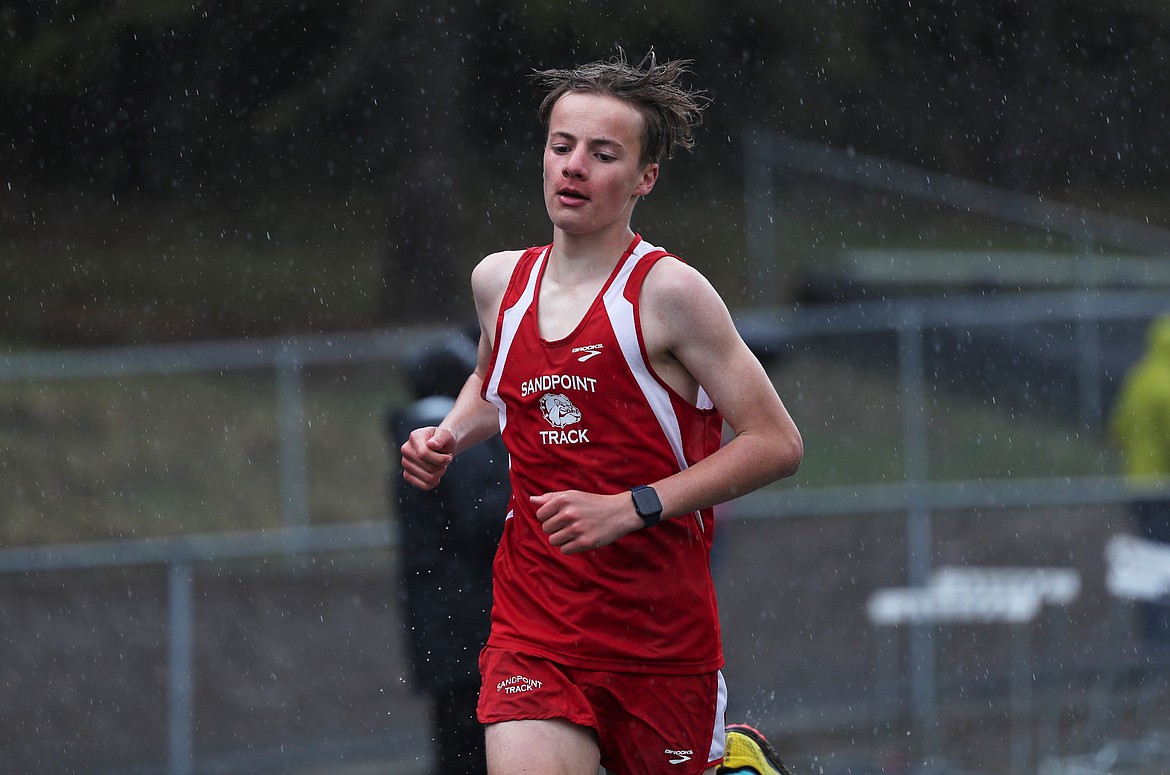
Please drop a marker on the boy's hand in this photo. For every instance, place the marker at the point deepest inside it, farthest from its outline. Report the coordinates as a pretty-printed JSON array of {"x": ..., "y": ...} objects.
[
  {"x": 426, "y": 455},
  {"x": 579, "y": 521}
]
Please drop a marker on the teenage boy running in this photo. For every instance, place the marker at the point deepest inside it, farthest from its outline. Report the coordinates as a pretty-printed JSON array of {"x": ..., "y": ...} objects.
[{"x": 610, "y": 366}]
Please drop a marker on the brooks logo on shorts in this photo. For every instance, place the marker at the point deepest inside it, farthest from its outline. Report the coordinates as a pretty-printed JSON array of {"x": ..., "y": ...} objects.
[{"x": 680, "y": 757}]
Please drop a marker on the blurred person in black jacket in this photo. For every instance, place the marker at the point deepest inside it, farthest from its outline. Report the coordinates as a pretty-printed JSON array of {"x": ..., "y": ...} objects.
[{"x": 448, "y": 539}]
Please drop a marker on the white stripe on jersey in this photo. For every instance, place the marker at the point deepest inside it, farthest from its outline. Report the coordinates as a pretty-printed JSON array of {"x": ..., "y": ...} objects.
[
  {"x": 511, "y": 323},
  {"x": 621, "y": 317}
]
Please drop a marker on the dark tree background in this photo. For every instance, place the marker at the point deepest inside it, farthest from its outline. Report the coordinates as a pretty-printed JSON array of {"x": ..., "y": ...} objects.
[{"x": 151, "y": 138}]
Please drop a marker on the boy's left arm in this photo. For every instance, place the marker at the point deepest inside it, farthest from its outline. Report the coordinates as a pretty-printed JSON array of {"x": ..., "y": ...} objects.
[{"x": 685, "y": 320}]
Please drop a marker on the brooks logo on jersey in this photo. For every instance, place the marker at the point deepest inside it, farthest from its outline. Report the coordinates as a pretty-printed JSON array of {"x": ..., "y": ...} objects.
[{"x": 588, "y": 351}]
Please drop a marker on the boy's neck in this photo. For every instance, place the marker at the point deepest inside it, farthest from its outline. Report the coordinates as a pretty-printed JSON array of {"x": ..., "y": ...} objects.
[{"x": 589, "y": 250}]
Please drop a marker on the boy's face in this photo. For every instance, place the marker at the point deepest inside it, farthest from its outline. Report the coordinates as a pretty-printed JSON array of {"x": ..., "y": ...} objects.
[{"x": 593, "y": 172}]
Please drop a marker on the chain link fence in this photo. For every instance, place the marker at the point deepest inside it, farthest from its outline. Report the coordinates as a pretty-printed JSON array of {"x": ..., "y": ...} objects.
[{"x": 228, "y": 599}]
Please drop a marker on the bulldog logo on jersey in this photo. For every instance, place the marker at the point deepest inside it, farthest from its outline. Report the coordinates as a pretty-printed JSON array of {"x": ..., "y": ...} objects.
[{"x": 559, "y": 410}]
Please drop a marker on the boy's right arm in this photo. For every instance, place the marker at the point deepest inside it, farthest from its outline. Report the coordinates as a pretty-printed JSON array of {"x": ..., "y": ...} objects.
[{"x": 428, "y": 451}]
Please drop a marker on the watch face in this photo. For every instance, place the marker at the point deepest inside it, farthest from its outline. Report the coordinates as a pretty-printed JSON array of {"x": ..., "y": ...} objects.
[{"x": 646, "y": 502}]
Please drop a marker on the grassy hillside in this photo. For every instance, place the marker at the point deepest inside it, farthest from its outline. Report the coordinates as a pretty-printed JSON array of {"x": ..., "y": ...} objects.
[{"x": 120, "y": 458}]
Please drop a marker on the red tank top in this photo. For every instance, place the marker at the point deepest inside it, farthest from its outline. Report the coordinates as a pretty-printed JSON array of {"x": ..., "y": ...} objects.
[{"x": 588, "y": 413}]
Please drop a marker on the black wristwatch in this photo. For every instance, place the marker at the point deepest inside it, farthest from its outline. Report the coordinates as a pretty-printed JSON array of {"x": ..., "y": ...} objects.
[{"x": 647, "y": 505}]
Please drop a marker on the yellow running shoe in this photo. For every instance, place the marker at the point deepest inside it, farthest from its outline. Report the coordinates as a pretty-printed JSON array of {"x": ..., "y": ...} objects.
[{"x": 749, "y": 751}]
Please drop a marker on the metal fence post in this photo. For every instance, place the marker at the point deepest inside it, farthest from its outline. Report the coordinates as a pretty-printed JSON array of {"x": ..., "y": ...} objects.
[
  {"x": 290, "y": 420},
  {"x": 760, "y": 213},
  {"x": 181, "y": 670},
  {"x": 919, "y": 540},
  {"x": 1088, "y": 337},
  {"x": 1022, "y": 703}
]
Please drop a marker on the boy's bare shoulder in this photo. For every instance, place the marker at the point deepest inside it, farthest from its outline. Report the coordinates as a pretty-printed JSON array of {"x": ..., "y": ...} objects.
[
  {"x": 489, "y": 278},
  {"x": 500, "y": 262},
  {"x": 672, "y": 281},
  {"x": 502, "y": 256}
]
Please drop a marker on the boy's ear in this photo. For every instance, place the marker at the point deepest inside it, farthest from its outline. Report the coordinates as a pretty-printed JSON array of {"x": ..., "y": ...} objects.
[{"x": 649, "y": 178}]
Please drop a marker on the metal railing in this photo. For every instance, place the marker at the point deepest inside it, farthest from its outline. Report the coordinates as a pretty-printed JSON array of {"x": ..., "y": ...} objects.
[{"x": 918, "y": 495}]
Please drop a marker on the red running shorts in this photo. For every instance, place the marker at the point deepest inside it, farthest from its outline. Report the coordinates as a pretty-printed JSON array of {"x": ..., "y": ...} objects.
[{"x": 646, "y": 724}]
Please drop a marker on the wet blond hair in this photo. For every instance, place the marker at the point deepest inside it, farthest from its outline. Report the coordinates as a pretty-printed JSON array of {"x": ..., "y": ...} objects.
[{"x": 670, "y": 111}]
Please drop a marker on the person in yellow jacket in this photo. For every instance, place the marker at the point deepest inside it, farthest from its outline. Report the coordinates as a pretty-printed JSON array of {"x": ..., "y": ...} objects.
[{"x": 1140, "y": 427}]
